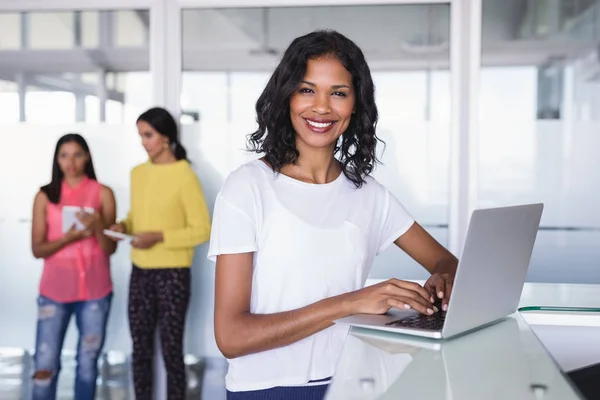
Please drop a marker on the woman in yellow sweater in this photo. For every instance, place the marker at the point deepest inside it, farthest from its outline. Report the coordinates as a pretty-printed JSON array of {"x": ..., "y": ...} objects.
[{"x": 168, "y": 217}]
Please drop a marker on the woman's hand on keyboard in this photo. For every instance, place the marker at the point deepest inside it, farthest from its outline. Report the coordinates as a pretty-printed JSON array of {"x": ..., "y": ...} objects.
[
  {"x": 440, "y": 286},
  {"x": 379, "y": 298}
]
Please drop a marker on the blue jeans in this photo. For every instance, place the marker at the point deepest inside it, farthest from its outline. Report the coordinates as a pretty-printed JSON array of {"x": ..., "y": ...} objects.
[{"x": 53, "y": 320}]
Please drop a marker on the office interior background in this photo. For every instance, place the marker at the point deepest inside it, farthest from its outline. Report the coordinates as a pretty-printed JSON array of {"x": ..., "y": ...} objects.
[{"x": 482, "y": 103}]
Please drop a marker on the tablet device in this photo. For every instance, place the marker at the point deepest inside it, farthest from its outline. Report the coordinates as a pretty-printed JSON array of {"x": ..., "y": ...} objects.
[
  {"x": 69, "y": 217},
  {"x": 118, "y": 235}
]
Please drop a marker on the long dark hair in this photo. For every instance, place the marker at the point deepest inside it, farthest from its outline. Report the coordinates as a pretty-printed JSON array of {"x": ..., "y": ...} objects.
[
  {"x": 275, "y": 135},
  {"x": 52, "y": 190},
  {"x": 163, "y": 122}
]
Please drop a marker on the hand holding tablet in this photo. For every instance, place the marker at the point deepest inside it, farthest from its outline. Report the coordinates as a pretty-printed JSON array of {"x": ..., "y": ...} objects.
[
  {"x": 118, "y": 235},
  {"x": 70, "y": 219}
]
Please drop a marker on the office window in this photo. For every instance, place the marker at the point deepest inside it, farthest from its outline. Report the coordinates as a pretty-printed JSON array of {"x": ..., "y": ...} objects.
[
  {"x": 10, "y": 34},
  {"x": 40, "y": 24},
  {"x": 539, "y": 122},
  {"x": 131, "y": 28},
  {"x": 81, "y": 65}
]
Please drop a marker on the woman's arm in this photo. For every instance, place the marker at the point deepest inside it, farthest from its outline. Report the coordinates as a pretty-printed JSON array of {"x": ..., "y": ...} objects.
[
  {"x": 238, "y": 332},
  {"x": 425, "y": 250},
  {"x": 40, "y": 247},
  {"x": 108, "y": 213},
  {"x": 126, "y": 225},
  {"x": 101, "y": 220},
  {"x": 436, "y": 259},
  {"x": 197, "y": 230}
]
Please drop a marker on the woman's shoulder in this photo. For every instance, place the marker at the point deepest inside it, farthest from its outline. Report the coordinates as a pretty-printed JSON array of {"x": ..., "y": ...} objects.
[
  {"x": 41, "y": 197},
  {"x": 244, "y": 177},
  {"x": 106, "y": 190},
  {"x": 139, "y": 168},
  {"x": 371, "y": 186},
  {"x": 248, "y": 169},
  {"x": 183, "y": 167}
]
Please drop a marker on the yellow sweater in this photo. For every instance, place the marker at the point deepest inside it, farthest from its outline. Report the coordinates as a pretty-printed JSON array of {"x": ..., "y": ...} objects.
[{"x": 167, "y": 198}]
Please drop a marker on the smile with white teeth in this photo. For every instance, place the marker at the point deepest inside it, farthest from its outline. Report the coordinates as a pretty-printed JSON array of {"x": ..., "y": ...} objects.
[{"x": 319, "y": 124}]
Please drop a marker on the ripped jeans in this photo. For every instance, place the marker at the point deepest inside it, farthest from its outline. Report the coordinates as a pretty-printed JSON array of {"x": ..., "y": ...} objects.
[{"x": 53, "y": 320}]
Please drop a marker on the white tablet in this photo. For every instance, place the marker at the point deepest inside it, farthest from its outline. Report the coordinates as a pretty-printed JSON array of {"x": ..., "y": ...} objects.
[
  {"x": 69, "y": 217},
  {"x": 118, "y": 235}
]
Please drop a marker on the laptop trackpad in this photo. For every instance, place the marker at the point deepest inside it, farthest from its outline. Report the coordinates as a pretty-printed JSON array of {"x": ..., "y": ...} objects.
[
  {"x": 393, "y": 314},
  {"x": 396, "y": 313}
]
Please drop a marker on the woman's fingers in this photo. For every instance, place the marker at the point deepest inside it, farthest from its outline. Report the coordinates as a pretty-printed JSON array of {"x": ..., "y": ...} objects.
[
  {"x": 412, "y": 298},
  {"x": 447, "y": 293},
  {"x": 436, "y": 286},
  {"x": 413, "y": 287},
  {"x": 407, "y": 303}
]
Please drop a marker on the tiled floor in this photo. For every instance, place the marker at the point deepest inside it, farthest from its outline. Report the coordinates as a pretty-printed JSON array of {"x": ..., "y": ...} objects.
[{"x": 206, "y": 378}]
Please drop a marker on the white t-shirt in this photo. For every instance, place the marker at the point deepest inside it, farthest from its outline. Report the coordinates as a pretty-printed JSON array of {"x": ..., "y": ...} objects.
[{"x": 310, "y": 242}]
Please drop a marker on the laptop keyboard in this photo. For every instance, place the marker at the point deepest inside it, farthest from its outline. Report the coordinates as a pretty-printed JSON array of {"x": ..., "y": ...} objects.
[{"x": 433, "y": 322}]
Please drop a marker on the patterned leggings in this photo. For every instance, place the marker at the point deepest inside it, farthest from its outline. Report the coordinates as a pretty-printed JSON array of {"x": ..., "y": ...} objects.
[{"x": 158, "y": 296}]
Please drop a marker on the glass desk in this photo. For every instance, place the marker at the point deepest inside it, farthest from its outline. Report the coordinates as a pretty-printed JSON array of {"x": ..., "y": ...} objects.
[{"x": 504, "y": 361}]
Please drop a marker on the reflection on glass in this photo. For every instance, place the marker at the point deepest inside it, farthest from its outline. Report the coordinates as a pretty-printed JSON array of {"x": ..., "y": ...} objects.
[
  {"x": 381, "y": 365},
  {"x": 539, "y": 110}
]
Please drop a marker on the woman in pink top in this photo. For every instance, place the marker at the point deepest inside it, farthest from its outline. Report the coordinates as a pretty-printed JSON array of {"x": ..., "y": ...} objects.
[{"x": 76, "y": 278}]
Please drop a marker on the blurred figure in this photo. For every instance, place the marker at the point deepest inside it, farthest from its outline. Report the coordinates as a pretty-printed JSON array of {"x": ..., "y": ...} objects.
[
  {"x": 76, "y": 277},
  {"x": 168, "y": 218}
]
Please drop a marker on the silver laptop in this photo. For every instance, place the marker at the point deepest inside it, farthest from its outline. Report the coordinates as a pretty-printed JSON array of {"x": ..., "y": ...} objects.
[{"x": 488, "y": 283}]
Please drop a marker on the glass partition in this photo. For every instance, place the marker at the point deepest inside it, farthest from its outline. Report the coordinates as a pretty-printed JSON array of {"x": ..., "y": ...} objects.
[{"x": 539, "y": 121}]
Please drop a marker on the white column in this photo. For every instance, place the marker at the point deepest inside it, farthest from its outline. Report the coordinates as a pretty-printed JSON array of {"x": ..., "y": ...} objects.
[
  {"x": 465, "y": 59},
  {"x": 165, "y": 68},
  {"x": 165, "y": 54}
]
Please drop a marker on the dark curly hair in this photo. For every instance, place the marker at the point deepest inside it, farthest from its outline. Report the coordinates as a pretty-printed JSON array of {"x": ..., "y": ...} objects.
[{"x": 275, "y": 135}]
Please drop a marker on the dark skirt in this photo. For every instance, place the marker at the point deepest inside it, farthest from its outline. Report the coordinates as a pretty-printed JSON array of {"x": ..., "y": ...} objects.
[{"x": 316, "y": 392}]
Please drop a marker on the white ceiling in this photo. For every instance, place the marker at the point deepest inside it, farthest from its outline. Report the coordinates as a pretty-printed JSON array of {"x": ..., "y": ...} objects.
[{"x": 392, "y": 36}]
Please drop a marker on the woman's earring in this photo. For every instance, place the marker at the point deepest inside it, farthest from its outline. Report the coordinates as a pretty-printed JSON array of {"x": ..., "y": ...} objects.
[{"x": 166, "y": 145}]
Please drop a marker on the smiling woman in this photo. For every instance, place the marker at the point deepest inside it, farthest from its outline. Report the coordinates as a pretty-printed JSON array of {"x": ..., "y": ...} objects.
[
  {"x": 295, "y": 233},
  {"x": 319, "y": 107},
  {"x": 329, "y": 89}
]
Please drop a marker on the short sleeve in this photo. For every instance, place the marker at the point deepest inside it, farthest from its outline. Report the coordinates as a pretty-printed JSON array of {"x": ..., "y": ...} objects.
[
  {"x": 234, "y": 223},
  {"x": 395, "y": 221}
]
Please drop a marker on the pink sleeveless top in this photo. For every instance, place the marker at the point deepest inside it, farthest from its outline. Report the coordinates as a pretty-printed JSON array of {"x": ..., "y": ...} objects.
[{"x": 81, "y": 270}]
